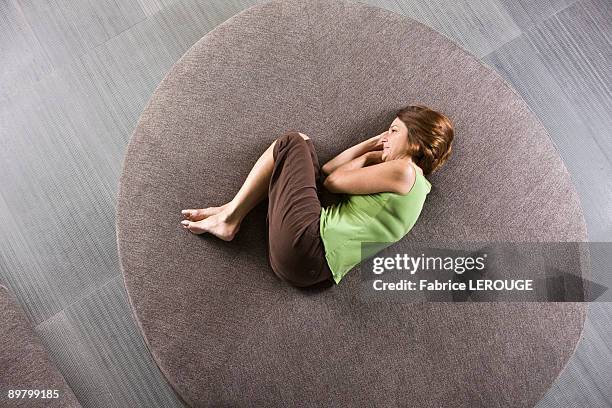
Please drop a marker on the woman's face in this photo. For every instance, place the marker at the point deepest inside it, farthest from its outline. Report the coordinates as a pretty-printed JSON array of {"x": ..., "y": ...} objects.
[{"x": 395, "y": 141}]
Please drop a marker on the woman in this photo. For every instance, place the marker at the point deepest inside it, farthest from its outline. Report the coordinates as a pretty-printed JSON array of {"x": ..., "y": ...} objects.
[{"x": 384, "y": 181}]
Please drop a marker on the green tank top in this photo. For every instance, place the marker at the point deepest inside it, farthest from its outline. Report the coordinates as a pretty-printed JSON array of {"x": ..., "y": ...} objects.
[{"x": 380, "y": 217}]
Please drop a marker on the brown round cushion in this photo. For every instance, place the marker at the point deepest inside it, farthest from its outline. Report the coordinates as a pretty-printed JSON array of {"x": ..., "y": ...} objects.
[{"x": 225, "y": 331}]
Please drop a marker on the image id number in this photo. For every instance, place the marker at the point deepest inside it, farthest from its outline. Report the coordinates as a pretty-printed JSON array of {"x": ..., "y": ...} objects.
[{"x": 33, "y": 394}]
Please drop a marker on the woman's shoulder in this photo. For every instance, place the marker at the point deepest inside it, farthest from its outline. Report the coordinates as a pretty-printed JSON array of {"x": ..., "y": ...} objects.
[
  {"x": 412, "y": 174},
  {"x": 408, "y": 174}
]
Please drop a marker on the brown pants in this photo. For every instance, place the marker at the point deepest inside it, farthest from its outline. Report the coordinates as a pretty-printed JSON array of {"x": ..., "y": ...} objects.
[{"x": 295, "y": 249}]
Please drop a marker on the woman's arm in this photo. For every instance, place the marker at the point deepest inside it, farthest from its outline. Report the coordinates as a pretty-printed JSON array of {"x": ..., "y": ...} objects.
[
  {"x": 367, "y": 174},
  {"x": 354, "y": 152},
  {"x": 366, "y": 159}
]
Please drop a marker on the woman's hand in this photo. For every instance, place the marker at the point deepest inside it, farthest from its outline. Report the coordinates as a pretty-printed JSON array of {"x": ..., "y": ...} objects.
[
  {"x": 368, "y": 145},
  {"x": 376, "y": 141},
  {"x": 374, "y": 157}
]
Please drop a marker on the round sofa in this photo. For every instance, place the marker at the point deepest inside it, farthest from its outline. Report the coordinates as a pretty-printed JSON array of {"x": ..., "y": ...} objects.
[{"x": 225, "y": 331}]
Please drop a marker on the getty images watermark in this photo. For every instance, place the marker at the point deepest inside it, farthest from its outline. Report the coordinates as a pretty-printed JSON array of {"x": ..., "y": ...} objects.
[{"x": 486, "y": 271}]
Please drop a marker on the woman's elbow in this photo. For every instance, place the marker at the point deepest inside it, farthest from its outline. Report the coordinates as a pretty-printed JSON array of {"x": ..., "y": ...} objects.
[
  {"x": 326, "y": 169},
  {"x": 328, "y": 183}
]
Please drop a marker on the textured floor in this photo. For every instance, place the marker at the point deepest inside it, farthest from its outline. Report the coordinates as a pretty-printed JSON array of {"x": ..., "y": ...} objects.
[{"x": 76, "y": 74}]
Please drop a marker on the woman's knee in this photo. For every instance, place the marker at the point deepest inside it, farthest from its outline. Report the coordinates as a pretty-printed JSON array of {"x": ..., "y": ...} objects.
[
  {"x": 286, "y": 140},
  {"x": 294, "y": 135}
]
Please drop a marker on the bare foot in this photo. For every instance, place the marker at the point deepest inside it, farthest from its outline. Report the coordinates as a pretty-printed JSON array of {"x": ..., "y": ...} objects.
[
  {"x": 220, "y": 225},
  {"x": 201, "y": 213}
]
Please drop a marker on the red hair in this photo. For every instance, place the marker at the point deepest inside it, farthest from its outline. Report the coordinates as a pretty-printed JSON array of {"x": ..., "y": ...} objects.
[{"x": 430, "y": 136}]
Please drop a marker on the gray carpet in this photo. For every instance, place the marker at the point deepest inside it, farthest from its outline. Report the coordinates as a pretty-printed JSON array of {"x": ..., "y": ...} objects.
[
  {"x": 224, "y": 330},
  {"x": 28, "y": 376}
]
